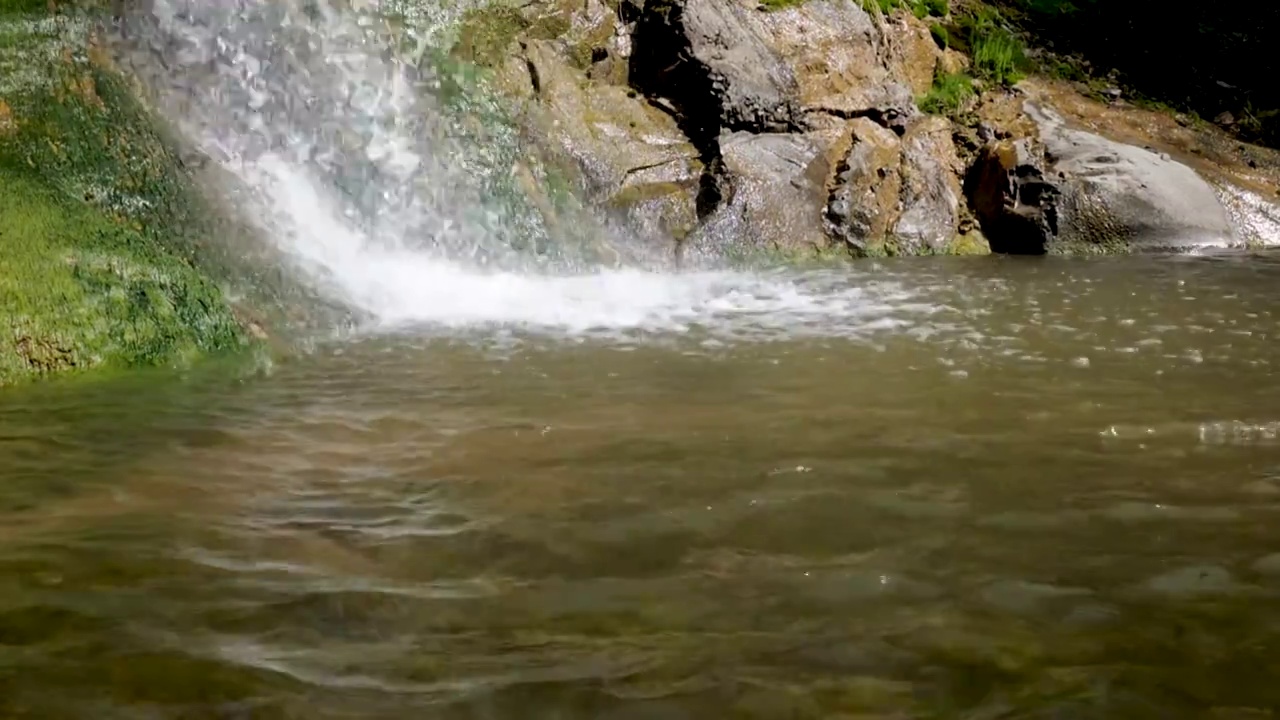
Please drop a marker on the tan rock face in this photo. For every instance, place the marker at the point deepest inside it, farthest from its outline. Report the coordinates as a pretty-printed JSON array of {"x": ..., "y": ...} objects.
[
  {"x": 631, "y": 156},
  {"x": 914, "y": 56},
  {"x": 833, "y": 50},
  {"x": 714, "y": 120},
  {"x": 896, "y": 196},
  {"x": 864, "y": 197}
]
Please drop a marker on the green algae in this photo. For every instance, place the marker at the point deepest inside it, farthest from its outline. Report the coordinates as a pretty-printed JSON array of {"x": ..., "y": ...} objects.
[
  {"x": 99, "y": 224},
  {"x": 79, "y": 291}
]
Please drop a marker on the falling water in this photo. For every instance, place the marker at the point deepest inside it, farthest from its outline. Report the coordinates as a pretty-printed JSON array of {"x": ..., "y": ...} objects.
[{"x": 352, "y": 161}]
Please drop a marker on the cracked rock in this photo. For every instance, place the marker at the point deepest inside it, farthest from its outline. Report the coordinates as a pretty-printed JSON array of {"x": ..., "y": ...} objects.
[{"x": 895, "y": 196}]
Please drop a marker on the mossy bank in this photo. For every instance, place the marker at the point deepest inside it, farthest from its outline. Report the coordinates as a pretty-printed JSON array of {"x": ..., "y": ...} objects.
[{"x": 99, "y": 223}]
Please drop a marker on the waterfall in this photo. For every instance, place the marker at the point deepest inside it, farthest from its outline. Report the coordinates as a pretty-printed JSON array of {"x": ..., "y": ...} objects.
[{"x": 350, "y": 160}]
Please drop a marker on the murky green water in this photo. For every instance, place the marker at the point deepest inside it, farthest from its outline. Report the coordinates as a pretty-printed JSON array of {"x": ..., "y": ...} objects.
[{"x": 1057, "y": 494}]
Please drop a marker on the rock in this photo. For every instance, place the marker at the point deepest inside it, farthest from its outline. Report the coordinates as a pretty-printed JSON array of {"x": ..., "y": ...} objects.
[
  {"x": 1067, "y": 191},
  {"x": 707, "y": 56},
  {"x": 914, "y": 54},
  {"x": 631, "y": 156},
  {"x": 777, "y": 191},
  {"x": 930, "y": 191},
  {"x": 896, "y": 196},
  {"x": 840, "y": 60},
  {"x": 953, "y": 62},
  {"x": 1024, "y": 598},
  {"x": 737, "y": 119},
  {"x": 863, "y": 201}
]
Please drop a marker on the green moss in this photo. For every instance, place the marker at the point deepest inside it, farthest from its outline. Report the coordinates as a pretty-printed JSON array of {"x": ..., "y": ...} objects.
[
  {"x": 883, "y": 7},
  {"x": 930, "y": 8},
  {"x": 78, "y": 290},
  {"x": 486, "y": 34},
  {"x": 771, "y": 5},
  {"x": 920, "y": 8},
  {"x": 99, "y": 226},
  {"x": 948, "y": 94},
  {"x": 971, "y": 243},
  {"x": 645, "y": 192}
]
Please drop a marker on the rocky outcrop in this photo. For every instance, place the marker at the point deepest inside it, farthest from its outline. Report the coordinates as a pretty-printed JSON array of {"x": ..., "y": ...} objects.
[
  {"x": 733, "y": 129},
  {"x": 778, "y": 181},
  {"x": 1063, "y": 190},
  {"x": 630, "y": 156},
  {"x": 769, "y": 101}
]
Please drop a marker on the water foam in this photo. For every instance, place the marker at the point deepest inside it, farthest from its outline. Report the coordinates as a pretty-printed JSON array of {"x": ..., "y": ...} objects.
[{"x": 353, "y": 167}]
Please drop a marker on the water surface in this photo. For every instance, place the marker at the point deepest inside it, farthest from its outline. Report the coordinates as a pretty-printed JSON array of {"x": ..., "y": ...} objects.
[{"x": 981, "y": 489}]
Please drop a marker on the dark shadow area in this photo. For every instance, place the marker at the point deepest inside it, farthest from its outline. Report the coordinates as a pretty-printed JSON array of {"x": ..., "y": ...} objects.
[{"x": 1218, "y": 61}]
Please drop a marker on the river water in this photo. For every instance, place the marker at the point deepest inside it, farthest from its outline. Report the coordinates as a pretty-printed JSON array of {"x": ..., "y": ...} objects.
[{"x": 1005, "y": 488}]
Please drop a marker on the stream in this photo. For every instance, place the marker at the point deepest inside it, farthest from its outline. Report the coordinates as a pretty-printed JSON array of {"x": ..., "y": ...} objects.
[{"x": 986, "y": 488}]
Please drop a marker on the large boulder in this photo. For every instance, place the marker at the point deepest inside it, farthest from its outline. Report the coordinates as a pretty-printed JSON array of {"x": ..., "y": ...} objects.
[
  {"x": 732, "y": 67},
  {"x": 846, "y": 63},
  {"x": 710, "y": 59},
  {"x": 767, "y": 97},
  {"x": 1063, "y": 190}
]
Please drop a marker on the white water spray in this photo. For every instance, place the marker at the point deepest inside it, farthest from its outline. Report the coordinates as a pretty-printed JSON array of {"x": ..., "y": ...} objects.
[{"x": 366, "y": 183}]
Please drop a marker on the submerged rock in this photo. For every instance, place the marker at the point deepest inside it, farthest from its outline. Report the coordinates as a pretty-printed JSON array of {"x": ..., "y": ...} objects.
[
  {"x": 1026, "y": 598},
  {"x": 1267, "y": 565},
  {"x": 1064, "y": 190}
]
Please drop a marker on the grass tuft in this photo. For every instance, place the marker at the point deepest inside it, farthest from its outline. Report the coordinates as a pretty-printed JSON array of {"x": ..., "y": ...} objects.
[
  {"x": 948, "y": 94},
  {"x": 998, "y": 54},
  {"x": 920, "y": 8},
  {"x": 940, "y": 35}
]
